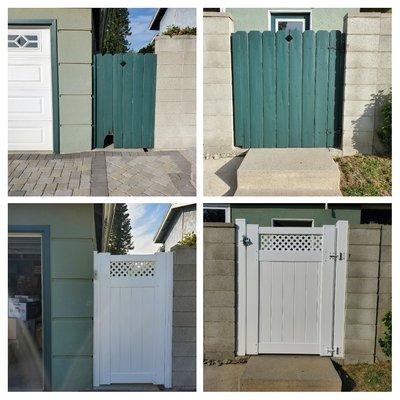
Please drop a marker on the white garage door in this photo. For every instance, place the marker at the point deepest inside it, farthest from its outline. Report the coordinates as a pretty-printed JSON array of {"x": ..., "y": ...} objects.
[{"x": 30, "y": 109}]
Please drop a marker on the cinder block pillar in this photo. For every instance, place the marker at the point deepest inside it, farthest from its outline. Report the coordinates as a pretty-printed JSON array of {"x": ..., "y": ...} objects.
[
  {"x": 175, "y": 120},
  {"x": 218, "y": 99},
  {"x": 367, "y": 79}
]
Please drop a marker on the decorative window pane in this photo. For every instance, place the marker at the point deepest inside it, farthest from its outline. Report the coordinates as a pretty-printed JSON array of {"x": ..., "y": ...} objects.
[
  {"x": 291, "y": 242},
  {"x": 131, "y": 268},
  {"x": 23, "y": 41}
]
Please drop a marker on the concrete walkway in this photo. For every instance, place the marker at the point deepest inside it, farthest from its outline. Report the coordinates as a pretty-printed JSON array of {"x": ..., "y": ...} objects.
[
  {"x": 101, "y": 173},
  {"x": 274, "y": 373}
]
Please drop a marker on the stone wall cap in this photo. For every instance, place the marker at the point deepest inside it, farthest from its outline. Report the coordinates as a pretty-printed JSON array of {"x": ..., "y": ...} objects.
[
  {"x": 219, "y": 225},
  {"x": 358, "y": 14},
  {"x": 179, "y": 247},
  {"x": 175, "y": 37},
  {"x": 370, "y": 226},
  {"x": 217, "y": 14}
]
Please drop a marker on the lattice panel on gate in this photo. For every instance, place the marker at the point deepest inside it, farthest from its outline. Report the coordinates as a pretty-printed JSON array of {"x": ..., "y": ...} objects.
[
  {"x": 291, "y": 242},
  {"x": 131, "y": 268}
]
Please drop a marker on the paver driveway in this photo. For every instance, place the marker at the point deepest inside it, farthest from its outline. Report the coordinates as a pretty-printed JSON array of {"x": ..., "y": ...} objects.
[{"x": 100, "y": 173}]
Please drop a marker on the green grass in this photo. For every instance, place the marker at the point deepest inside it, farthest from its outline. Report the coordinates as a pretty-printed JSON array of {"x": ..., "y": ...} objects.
[
  {"x": 366, "y": 377},
  {"x": 365, "y": 175}
]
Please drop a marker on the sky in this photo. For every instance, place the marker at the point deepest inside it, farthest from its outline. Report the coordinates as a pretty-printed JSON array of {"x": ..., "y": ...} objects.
[
  {"x": 140, "y": 20},
  {"x": 145, "y": 221}
]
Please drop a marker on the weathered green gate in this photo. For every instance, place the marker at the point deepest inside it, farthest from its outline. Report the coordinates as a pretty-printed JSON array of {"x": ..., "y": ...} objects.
[
  {"x": 287, "y": 88},
  {"x": 124, "y": 99}
]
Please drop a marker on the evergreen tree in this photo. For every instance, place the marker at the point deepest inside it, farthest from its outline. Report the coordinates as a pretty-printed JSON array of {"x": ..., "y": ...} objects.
[
  {"x": 120, "y": 236},
  {"x": 116, "y": 32}
]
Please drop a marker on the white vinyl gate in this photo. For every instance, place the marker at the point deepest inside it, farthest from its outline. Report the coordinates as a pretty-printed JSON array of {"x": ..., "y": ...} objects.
[
  {"x": 291, "y": 289},
  {"x": 132, "y": 319}
]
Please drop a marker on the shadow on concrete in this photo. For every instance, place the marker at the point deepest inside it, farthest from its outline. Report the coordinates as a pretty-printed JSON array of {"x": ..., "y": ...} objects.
[
  {"x": 348, "y": 384},
  {"x": 228, "y": 174}
]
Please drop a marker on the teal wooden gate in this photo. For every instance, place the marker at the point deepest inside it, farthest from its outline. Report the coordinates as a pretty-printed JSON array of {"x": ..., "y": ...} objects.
[
  {"x": 124, "y": 99},
  {"x": 287, "y": 88}
]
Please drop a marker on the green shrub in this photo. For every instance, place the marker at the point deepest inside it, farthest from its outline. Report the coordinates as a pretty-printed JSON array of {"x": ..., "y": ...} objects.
[
  {"x": 189, "y": 239},
  {"x": 386, "y": 341},
  {"x": 385, "y": 130},
  {"x": 173, "y": 30}
]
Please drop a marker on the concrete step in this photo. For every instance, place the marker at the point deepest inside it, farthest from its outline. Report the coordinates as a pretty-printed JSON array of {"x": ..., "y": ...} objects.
[
  {"x": 291, "y": 172},
  {"x": 289, "y": 373}
]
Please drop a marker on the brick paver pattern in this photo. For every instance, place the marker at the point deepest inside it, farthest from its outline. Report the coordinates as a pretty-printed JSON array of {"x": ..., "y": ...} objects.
[{"x": 100, "y": 173}]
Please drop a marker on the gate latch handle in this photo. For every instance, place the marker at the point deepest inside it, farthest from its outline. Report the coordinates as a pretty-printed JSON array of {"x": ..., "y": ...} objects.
[
  {"x": 339, "y": 256},
  {"x": 246, "y": 241}
]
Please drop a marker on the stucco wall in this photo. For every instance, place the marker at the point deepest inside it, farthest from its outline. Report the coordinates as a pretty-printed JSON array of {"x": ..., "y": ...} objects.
[
  {"x": 184, "y": 222},
  {"x": 72, "y": 235},
  {"x": 74, "y": 44},
  {"x": 368, "y": 294},
  {"x": 181, "y": 17},
  {"x": 368, "y": 78},
  {"x": 256, "y": 19},
  {"x": 184, "y": 319},
  {"x": 219, "y": 291},
  {"x": 175, "y": 119},
  {"x": 262, "y": 214}
]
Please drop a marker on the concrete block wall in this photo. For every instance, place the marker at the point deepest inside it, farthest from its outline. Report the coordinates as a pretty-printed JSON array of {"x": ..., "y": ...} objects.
[
  {"x": 217, "y": 90},
  {"x": 184, "y": 319},
  {"x": 219, "y": 290},
  {"x": 175, "y": 119},
  {"x": 74, "y": 25},
  {"x": 367, "y": 78},
  {"x": 368, "y": 294}
]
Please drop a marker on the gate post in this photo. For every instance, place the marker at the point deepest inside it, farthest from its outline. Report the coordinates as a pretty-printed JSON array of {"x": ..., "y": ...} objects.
[
  {"x": 241, "y": 285},
  {"x": 252, "y": 289},
  {"x": 342, "y": 228}
]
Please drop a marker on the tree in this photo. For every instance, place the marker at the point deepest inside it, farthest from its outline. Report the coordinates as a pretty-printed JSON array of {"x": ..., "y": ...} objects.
[
  {"x": 116, "y": 31},
  {"x": 120, "y": 237}
]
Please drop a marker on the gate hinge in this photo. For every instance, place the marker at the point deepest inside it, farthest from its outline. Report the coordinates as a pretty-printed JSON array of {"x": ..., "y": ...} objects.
[
  {"x": 339, "y": 256},
  {"x": 95, "y": 274},
  {"x": 334, "y": 351}
]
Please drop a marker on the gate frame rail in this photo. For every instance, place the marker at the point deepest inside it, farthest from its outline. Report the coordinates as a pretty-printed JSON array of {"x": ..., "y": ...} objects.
[{"x": 247, "y": 250}]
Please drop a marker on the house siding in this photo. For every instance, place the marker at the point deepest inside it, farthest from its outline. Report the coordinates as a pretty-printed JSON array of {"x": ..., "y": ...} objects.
[
  {"x": 262, "y": 214},
  {"x": 72, "y": 242},
  {"x": 181, "y": 17},
  {"x": 74, "y": 25},
  {"x": 256, "y": 19}
]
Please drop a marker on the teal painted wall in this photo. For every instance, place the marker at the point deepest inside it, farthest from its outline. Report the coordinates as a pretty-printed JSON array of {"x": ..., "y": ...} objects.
[
  {"x": 262, "y": 214},
  {"x": 72, "y": 237},
  {"x": 74, "y": 43},
  {"x": 256, "y": 19}
]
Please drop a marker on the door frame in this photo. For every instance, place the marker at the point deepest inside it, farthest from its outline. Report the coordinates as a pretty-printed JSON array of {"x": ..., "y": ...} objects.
[
  {"x": 101, "y": 261},
  {"x": 52, "y": 25},
  {"x": 248, "y": 267},
  {"x": 44, "y": 231}
]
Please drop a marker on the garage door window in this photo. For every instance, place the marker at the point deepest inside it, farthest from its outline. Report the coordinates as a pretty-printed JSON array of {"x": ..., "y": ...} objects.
[{"x": 23, "y": 41}]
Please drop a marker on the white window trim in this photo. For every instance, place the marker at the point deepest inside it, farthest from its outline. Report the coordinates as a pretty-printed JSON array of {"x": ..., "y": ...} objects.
[
  {"x": 292, "y": 219},
  {"x": 225, "y": 207},
  {"x": 304, "y": 11}
]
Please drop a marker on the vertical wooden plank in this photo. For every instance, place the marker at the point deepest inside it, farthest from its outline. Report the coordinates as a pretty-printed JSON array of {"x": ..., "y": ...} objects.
[
  {"x": 127, "y": 94},
  {"x": 137, "y": 102},
  {"x": 265, "y": 301},
  {"x": 96, "y": 318},
  {"x": 256, "y": 89},
  {"x": 332, "y": 71},
  {"x": 321, "y": 88},
  {"x": 241, "y": 285},
  {"x": 99, "y": 100},
  {"x": 295, "y": 90},
  {"x": 300, "y": 303},
  {"x": 288, "y": 302},
  {"x": 282, "y": 93},
  {"x": 308, "y": 110},
  {"x": 339, "y": 87},
  {"x": 149, "y": 94},
  {"x": 312, "y": 295},
  {"x": 242, "y": 96},
  {"x": 252, "y": 276},
  {"x": 117, "y": 99},
  {"x": 269, "y": 86},
  {"x": 277, "y": 302},
  {"x": 107, "y": 94}
]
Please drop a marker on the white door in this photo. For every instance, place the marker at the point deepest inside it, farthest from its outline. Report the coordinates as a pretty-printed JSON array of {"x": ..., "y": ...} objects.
[
  {"x": 293, "y": 299},
  {"x": 30, "y": 110},
  {"x": 132, "y": 319}
]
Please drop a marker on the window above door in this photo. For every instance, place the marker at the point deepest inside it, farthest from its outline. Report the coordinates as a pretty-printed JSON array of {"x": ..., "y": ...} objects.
[{"x": 289, "y": 21}]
